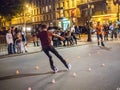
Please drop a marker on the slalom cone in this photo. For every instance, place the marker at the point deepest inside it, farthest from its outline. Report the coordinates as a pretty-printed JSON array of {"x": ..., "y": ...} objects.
[
  {"x": 53, "y": 81},
  {"x": 36, "y": 67},
  {"x": 29, "y": 88},
  {"x": 17, "y": 72},
  {"x": 89, "y": 69},
  {"x": 103, "y": 65},
  {"x": 74, "y": 74}
]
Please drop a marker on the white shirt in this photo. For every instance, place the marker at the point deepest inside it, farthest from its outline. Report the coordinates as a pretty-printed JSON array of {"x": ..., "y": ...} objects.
[
  {"x": 72, "y": 29},
  {"x": 9, "y": 38},
  {"x": 111, "y": 27}
]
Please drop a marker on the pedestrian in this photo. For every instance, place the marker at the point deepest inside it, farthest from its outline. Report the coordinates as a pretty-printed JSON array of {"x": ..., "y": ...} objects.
[
  {"x": 73, "y": 35},
  {"x": 35, "y": 37},
  {"x": 63, "y": 34},
  {"x": 99, "y": 30},
  {"x": 14, "y": 38},
  {"x": 55, "y": 41},
  {"x": 45, "y": 38},
  {"x": 9, "y": 39},
  {"x": 118, "y": 31},
  {"x": 113, "y": 28},
  {"x": 69, "y": 38},
  {"x": 18, "y": 43},
  {"x": 24, "y": 42},
  {"x": 106, "y": 31}
]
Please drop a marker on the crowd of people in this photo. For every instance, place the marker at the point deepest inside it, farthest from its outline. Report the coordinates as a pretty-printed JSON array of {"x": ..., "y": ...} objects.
[
  {"x": 70, "y": 38},
  {"x": 16, "y": 38},
  {"x": 106, "y": 30}
]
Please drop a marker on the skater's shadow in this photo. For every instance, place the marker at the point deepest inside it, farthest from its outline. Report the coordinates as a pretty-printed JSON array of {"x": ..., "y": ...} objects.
[
  {"x": 106, "y": 48},
  {"x": 28, "y": 75}
]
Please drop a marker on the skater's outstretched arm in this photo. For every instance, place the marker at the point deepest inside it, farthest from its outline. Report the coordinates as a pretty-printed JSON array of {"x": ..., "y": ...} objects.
[{"x": 58, "y": 36}]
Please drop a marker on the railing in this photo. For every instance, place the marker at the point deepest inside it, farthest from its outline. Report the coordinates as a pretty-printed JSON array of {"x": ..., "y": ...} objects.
[
  {"x": 3, "y": 45},
  {"x": 2, "y": 39}
]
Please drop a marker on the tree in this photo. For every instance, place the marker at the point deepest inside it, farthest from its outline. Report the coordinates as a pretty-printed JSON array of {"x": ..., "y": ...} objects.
[{"x": 10, "y": 8}]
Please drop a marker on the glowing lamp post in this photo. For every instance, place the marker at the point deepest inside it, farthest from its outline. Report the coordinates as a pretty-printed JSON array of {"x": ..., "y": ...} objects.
[
  {"x": 27, "y": 13},
  {"x": 90, "y": 8}
]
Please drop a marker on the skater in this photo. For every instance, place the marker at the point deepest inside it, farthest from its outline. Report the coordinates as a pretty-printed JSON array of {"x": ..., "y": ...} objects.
[
  {"x": 99, "y": 30},
  {"x": 45, "y": 38}
]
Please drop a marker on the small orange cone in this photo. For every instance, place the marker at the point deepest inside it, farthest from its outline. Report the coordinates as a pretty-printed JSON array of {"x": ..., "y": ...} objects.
[
  {"x": 36, "y": 67},
  {"x": 17, "y": 72},
  {"x": 53, "y": 81},
  {"x": 74, "y": 74},
  {"x": 89, "y": 69},
  {"x": 29, "y": 88},
  {"x": 103, "y": 65}
]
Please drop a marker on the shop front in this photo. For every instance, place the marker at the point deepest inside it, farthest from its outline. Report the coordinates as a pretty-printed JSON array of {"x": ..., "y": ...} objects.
[
  {"x": 64, "y": 23},
  {"x": 105, "y": 19}
]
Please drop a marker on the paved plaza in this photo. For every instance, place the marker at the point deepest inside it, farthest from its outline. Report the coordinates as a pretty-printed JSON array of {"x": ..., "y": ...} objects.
[{"x": 93, "y": 68}]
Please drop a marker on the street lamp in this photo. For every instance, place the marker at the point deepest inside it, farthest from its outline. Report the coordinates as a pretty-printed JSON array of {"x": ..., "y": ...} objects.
[
  {"x": 90, "y": 9},
  {"x": 27, "y": 11},
  {"x": 117, "y": 2}
]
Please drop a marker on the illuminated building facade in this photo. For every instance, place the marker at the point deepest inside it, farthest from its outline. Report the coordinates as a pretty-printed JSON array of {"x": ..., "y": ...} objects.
[
  {"x": 62, "y": 13},
  {"x": 65, "y": 13},
  {"x": 36, "y": 12},
  {"x": 104, "y": 11}
]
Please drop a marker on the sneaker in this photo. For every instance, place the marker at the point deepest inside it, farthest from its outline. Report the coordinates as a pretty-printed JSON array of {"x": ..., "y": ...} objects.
[
  {"x": 69, "y": 66},
  {"x": 55, "y": 70},
  {"x": 99, "y": 45},
  {"x": 26, "y": 51},
  {"x": 102, "y": 44}
]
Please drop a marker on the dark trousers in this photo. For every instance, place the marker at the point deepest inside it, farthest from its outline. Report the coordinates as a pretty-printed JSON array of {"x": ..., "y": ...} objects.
[
  {"x": 14, "y": 49},
  {"x": 53, "y": 50},
  {"x": 36, "y": 43},
  {"x": 113, "y": 33},
  {"x": 10, "y": 48},
  {"x": 99, "y": 36}
]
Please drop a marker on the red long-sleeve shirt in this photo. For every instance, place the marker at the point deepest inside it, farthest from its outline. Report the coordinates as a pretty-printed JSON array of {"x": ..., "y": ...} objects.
[{"x": 45, "y": 38}]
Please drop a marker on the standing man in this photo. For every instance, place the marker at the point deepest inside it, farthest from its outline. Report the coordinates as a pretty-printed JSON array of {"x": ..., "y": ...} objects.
[
  {"x": 119, "y": 31},
  {"x": 113, "y": 28},
  {"x": 34, "y": 34},
  {"x": 9, "y": 39},
  {"x": 45, "y": 38},
  {"x": 14, "y": 38},
  {"x": 99, "y": 30},
  {"x": 24, "y": 41}
]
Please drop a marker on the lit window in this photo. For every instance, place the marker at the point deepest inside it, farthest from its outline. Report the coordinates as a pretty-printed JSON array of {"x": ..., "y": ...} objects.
[
  {"x": 57, "y": 6},
  {"x": 50, "y": 7},
  {"x": 72, "y": 3},
  {"x": 46, "y": 8},
  {"x": 67, "y": 4},
  {"x": 43, "y": 10}
]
